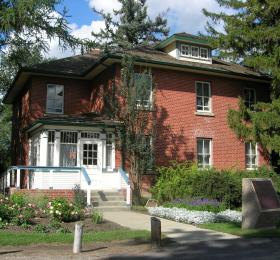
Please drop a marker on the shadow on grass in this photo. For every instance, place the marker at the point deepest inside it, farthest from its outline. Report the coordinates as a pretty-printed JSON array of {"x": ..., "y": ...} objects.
[{"x": 10, "y": 252}]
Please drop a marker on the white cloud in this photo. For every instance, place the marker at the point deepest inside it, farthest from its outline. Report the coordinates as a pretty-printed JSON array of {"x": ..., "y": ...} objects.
[
  {"x": 83, "y": 32},
  {"x": 183, "y": 16}
]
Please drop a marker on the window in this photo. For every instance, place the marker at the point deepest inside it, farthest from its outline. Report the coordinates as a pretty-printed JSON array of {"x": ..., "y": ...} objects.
[
  {"x": 250, "y": 98},
  {"x": 143, "y": 84},
  {"x": 203, "y": 96},
  {"x": 109, "y": 151},
  {"x": 251, "y": 156},
  {"x": 195, "y": 51},
  {"x": 90, "y": 135},
  {"x": 50, "y": 152},
  {"x": 203, "y": 53},
  {"x": 203, "y": 153},
  {"x": 185, "y": 50},
  {"x": 35, "y": 152},
  {"x": 90, "y": 154},
  {"x": 68, "y": 148},
  {"x": 55, "y": 98}
]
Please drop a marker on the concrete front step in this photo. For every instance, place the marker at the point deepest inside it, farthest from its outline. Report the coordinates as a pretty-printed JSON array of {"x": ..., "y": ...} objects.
[
  {"x": 108, "y": 203},
  {"x": 111, "y": 208},
  {"x": 108, "y": 200}
]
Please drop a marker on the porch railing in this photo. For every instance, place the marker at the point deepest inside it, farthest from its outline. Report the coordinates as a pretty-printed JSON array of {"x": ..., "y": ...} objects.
[
  {"x": 125, "y": 177},
  {"x": 50, "y": 169}
]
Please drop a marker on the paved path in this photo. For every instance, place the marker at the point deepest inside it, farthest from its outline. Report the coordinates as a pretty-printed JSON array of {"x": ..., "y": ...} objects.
[{"x": 179, "y": 232}]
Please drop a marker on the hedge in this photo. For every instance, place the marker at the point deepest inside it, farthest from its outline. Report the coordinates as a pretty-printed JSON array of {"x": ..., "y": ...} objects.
[{"x": 184, "y": 180}]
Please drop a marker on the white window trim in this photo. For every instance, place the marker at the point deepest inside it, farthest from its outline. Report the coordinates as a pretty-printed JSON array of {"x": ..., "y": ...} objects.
[
  {"x": 198, "y": 52},
  {"x": 210, "y": 98},
  {"x": 207, "y": 51},
  {"x": 189, "y": 47},
  {"x": 211, "y": 151},
  {"x": 255, "y": 95},
  {"x": 257, "y": 158},
  {"x": 48, "y": 112}
]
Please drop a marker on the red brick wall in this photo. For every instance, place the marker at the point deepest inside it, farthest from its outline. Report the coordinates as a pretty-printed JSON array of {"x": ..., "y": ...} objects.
[{"x": 178, "y": 127}]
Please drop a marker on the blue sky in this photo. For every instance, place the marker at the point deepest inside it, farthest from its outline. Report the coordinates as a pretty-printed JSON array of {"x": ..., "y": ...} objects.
[{"x": 182, "y": 16}]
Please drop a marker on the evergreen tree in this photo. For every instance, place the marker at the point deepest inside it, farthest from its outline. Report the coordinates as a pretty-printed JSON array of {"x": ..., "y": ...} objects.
[
  {"x": 252, "y": 36},
  {"x": 133, "y": 28},
  {"x": 23, "y": 23}
]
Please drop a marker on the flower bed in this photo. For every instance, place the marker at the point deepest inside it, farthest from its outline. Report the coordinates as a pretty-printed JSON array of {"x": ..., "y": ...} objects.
[{"x": 196, "y": 217}]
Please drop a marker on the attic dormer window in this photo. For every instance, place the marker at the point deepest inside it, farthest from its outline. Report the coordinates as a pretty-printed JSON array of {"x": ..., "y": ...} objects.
[
  {"x": 185, "y": 50},
  {"x": 203, "y": 53},
  {"x": 191, "y": 51}
]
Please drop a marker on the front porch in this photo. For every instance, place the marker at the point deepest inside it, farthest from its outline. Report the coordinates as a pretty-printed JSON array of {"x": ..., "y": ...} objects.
[{"x": 57, "y": 181}]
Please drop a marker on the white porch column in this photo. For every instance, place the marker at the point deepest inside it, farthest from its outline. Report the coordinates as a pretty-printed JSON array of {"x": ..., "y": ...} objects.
[
  {"x": 56, "y": 148},
  {"x": 43, "y": 148},
  {"x": 88, "y": 195},
  {"x": 79, "y": 163},
  {"x": 128, "y": 195},
  {"x": 103, "y": 145},
  {"x": 18, "y": 179},
  {"x": 8, "y": 178}
]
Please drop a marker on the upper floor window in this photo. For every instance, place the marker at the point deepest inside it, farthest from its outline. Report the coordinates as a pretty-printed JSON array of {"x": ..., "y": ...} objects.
[
  {"x": 185, "y": 50},
  {"x": 250, "y": 98},
  {"x": 55, "y": 98},
  {"x": 204, "y": 152},
  {"x": 144, "y": 89},
  {"x": 204, "y": 53},
  {"x": 203, "y": 96},
  {"x": 194, "y": 51},
  {"x": 251, "y": 153}
]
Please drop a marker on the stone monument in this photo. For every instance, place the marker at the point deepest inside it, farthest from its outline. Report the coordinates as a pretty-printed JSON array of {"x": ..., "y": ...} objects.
[{"x": 260, "y": 204}]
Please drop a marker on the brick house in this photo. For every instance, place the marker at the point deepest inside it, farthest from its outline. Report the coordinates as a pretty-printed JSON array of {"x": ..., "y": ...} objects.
[{"x": 62, "y": 130}]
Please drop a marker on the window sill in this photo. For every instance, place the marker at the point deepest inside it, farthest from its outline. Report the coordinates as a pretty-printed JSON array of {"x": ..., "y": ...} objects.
[{"x": 198, "y": 113}]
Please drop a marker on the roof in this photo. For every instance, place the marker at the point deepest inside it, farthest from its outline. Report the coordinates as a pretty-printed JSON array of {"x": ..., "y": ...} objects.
[
  {"x": 86, "y": 119},
  {"x": 186, "y": 37},
  {"x": 80, "y": 66},
  {"x": 76, "y": 65}
]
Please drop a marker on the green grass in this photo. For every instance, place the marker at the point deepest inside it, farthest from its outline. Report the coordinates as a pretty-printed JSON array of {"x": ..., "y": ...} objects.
[
  {"x": 16, "y": 239},
  {"x": 235, "y": 229}
]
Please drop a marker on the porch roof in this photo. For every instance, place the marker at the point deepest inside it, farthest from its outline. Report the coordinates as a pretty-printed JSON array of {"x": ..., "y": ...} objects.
[{"x": 87, "y": 119}]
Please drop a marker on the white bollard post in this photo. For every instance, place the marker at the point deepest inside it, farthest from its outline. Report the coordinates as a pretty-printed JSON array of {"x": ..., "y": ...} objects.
[{"x": 77, "y": 246}]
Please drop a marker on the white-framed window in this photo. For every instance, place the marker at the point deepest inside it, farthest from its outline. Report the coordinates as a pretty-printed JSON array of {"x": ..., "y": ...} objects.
[
  {"x": 195, "y": 51},
  {"x": 90, "y": 135},
  {"x": 90, "y": 154},
  {"x": 204, "y": 152},
  {"x": 35, "y": 151},
  {"x": 50, "y": 152},
  {"x": 68, "y": 148},
  {"x": 185, "y": 50},
  {"x": 250, "y": 98},
  {"x": 203, "y": 96},
  {"x": 251, "y": 155},
  {"x": 144, "y": 89},
  {"x": 55, "y": 99},
  {"x": 204, "y": 53}
]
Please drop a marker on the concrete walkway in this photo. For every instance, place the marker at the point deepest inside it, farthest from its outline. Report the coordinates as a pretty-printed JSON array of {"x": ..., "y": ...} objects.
[{"x": 179, "y": 232}]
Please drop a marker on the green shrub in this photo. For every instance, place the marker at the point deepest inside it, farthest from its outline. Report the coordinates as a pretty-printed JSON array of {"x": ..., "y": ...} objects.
[
  {"x": 61, "y": 210},
  {"x": 23, "y": 216},
  {"x": 18, "y": 199},
  {"x": 79, "y": 200},
  {"x": 40, "y": 200},
  {"x": 182, "y": 180},
  {"x": 97, "y": 217},
  {"x": 41, "y": 228}
]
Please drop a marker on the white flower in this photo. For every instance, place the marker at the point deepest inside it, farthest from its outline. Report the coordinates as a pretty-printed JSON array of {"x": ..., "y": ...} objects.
[
  {"x": 195, "y": 217},
  {"x": 51, "y": 212},
  {"x": 51, "y": 207}
]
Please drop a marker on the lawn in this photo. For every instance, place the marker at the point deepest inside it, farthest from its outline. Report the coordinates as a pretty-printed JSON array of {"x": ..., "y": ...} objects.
[
  {"x": 15, "y": 239},
  {"x": 235, "y": 229}
]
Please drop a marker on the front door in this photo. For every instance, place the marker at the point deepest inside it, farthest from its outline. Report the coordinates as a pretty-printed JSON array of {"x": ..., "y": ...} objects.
[{"x": 91, "y": 159}]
